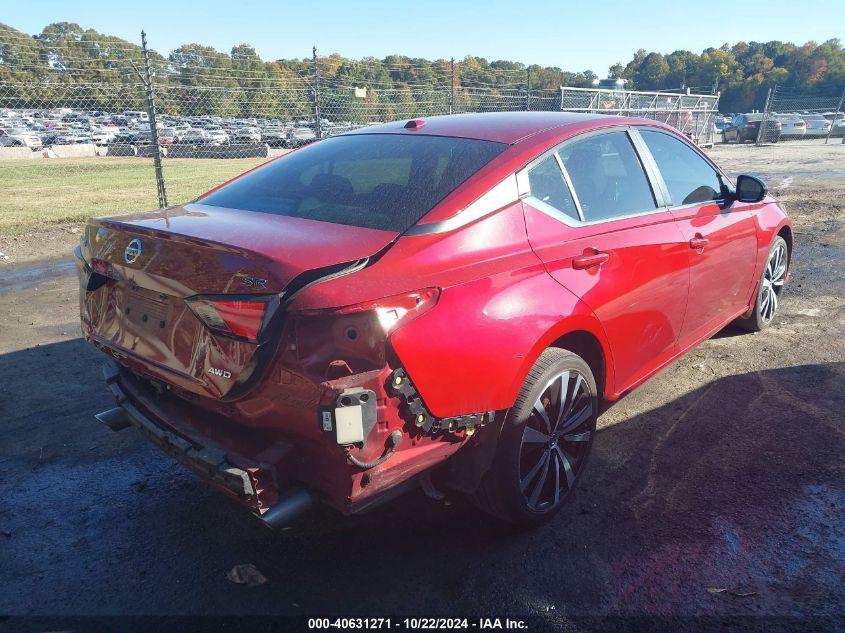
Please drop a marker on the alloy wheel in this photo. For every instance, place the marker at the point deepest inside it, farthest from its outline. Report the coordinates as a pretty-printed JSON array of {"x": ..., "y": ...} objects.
[
  {"x": 772, "y": 284},
  {"x": 556, "y": 440}
]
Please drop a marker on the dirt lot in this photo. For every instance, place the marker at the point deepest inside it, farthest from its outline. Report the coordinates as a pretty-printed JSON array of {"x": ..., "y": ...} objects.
[{"x": 718, "y": 488}]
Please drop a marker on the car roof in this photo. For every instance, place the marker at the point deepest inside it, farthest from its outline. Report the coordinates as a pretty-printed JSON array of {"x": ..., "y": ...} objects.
[{"x": 501, "y": 127}]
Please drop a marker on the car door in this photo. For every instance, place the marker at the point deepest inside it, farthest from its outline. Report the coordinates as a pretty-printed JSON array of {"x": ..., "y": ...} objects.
[
  {"x": 594, "y": 220},
  {"x": 721, "y": 237}
]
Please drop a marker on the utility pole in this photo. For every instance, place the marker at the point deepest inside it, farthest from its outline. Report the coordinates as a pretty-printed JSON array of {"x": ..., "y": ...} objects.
[
  {"x": 527, "y": 88},
  {"x": 316, "y": 94},
  {"x": 452, "y": 87},
  {"x": 151, "y": 113},
  {"x": 761, "y": 134},
  {"x": 835, "y": 118}
]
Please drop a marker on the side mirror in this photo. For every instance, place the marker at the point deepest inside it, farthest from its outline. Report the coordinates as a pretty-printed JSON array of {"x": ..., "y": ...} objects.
[{"x": 750, "y": 189}]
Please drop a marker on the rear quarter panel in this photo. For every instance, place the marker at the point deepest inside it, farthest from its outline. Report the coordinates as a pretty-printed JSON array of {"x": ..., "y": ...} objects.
[
  {"x": 498, "y": 310},
  {"x": 474, "y": 351}
]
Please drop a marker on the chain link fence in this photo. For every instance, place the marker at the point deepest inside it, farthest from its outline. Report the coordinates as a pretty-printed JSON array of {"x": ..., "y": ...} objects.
[
  {"x": 127, "y": 129},
  {"x": 791, "y": 115},
  {"x": 693, "y": 114}
]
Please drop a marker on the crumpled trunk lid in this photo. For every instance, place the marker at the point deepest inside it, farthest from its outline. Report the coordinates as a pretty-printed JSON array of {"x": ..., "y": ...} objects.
[{"x": 141, "y": 268}]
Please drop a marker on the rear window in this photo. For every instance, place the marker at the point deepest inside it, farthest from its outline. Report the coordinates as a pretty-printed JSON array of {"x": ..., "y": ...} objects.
[{"x": 378, "y": 181}]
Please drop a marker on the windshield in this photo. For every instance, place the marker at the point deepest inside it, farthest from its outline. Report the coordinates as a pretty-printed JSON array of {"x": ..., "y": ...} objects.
[{"x": 378, "y": 181}]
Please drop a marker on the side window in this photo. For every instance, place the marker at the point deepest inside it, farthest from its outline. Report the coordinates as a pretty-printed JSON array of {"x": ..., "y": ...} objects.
[
  {"x": 687, "y": 175},
  {"x": 547, "y": 185},
  {"x": 607, "y": 176}
]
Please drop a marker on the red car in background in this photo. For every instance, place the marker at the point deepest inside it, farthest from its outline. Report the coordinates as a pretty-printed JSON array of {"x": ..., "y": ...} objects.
[{"x": 446, "y": 302}]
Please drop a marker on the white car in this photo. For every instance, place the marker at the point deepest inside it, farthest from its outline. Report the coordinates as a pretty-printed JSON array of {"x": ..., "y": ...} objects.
[
  {"x": 247, "y": 135},
  {"x": 19, "y": 137},
  {"x": 792, "y": 125},
  {"x": 136, "y": 115},
  {"x": 216, "y": 135},
  {"x": 817, "y": 124},
  {"x": 104, "y": 134}
]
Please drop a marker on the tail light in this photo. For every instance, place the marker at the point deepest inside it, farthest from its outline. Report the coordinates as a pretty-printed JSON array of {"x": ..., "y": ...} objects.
[
  {"x": 236, "y": 316},
  {"x": 392, "y": 312},
  {"x": 353, "y": 339}
]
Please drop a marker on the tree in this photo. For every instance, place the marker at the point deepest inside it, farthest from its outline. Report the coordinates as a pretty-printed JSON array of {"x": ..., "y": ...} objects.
[
  {"x": 617, "y": 71},
  {"x": 651, "y": 73},
  {"x": 67, "y": 64}
]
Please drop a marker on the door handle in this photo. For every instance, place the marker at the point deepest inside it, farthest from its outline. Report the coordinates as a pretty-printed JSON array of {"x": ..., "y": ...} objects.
[
  {"x": 591, "y": 257},
  {"x": 698, "y": 242}
]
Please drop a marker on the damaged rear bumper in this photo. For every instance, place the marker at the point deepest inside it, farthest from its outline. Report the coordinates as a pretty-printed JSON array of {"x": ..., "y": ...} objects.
[{"x": 251, "y": 482}]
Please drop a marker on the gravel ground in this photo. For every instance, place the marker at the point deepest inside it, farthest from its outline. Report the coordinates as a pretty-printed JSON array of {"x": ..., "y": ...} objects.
[{"x": 716, "y": 489}]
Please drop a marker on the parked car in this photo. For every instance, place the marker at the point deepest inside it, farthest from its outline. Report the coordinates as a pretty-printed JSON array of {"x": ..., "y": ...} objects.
[
  {"x": 216, "y": 135},
  {"x": 179, "y": 131},
  {"x": 166, "y": 136},
  {"x": 275, "y": 136},
  {"x": 136, "y": 115},
  {"x": 744, "y": 127},
  {"x": 792, "y": 125},
  {"x": 817, "y": 124},
  {"x": 129, "y": 137},
  {"x": 104, "y": 134},
  {"x": 299, "y": 136},
  {"x": 194, "y": 136},
  {"x": 72, "y": 137},
  {"x": 837, "y": 120},
  {"x": 19, "y": 137},
  {"x": 246, "y": 135},
  {"x": 371, "y": 314}
]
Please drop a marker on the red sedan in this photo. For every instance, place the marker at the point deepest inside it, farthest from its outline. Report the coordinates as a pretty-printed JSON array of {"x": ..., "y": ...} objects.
[{"x": 446, "y": 302}]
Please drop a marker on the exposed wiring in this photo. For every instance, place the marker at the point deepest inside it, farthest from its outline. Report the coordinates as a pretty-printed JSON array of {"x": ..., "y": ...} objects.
[{"x": 394, "y": 441}]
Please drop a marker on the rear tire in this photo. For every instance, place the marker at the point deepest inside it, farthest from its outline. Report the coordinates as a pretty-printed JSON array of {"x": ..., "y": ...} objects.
[
  {"x": 545, "y": 442},
  {"x": 769, "y": 289}
]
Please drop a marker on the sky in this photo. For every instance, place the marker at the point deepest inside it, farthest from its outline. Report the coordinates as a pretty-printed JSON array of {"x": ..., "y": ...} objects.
[{"x": 575, "y": 35}]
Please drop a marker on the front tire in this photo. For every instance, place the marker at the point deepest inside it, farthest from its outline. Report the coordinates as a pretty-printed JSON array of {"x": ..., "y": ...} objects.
[
  {"x": 545, "y": 441},
  {"x": 770, "y": 288}
]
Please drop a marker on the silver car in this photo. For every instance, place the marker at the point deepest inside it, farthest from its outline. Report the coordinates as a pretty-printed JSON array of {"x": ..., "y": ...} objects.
[
  {"x": 792, "y": 125},
  {"x": 817, "y": 124}
]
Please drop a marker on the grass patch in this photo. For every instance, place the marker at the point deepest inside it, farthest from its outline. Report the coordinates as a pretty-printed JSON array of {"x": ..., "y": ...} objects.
[{"x": 37, "y": 193}]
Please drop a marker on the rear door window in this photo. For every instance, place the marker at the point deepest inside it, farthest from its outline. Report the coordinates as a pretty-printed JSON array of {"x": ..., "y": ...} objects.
[
  {"x": 378, "y": 181},
  {"x": 607, "y": 176},
  {"x": 549, "y": 187},
  {"x": 688, "y": 177}
]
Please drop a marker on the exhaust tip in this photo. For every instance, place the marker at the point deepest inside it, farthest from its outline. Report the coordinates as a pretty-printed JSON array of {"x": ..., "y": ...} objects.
[
  {"x": 116, "y": 419},
  {"x": 290, "y": 507}
]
